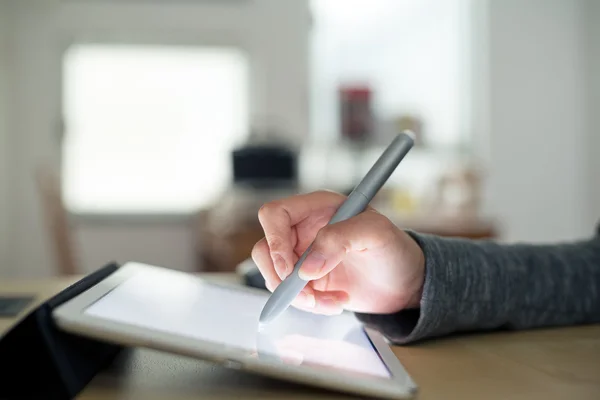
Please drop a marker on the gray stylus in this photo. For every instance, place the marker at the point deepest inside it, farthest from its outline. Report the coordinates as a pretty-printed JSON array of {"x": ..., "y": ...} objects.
[{"x": 356, "y": 203}]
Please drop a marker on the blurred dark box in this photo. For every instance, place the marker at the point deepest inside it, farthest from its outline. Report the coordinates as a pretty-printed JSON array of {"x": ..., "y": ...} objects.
[{"x": 265, "y": 165}]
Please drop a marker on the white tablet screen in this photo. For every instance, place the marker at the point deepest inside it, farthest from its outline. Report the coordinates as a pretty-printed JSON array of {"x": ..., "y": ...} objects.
[{"x": 171, "y": 302}]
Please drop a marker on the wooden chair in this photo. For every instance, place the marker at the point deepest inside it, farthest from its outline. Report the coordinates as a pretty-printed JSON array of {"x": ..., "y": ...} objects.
[{"x": 57, "y": 221}]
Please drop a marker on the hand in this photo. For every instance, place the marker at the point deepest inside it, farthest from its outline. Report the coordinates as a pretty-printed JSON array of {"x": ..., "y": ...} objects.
[{"x": 363, "y": 264}]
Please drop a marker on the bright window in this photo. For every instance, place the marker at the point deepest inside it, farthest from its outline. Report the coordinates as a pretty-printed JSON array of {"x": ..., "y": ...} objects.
[{"x": 149, "y": 129}]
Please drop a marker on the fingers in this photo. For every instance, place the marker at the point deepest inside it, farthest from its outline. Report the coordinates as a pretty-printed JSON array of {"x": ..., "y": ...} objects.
[
  {"x": 278, "y": 218},
  {"x": 311, "y": 300},
  {"x": 326, "y": 303},
  {"x": 331, "y": 302},
  {"x": 366, "y": 230},
  {"x": 262, "y": 259},
  {"x": 306, "y": 299}
]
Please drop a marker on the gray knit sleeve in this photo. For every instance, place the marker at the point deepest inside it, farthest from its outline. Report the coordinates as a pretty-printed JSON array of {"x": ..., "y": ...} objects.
[{"x": 481, "y": 285}]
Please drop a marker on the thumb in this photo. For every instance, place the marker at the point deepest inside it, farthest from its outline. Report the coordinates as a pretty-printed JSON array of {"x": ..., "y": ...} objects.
[{"x": 368, "y": 229}]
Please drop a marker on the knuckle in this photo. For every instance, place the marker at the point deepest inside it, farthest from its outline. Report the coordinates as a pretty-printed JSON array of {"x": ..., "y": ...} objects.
[
  {"x": 276, "y": 243},
  {"x": 329, "y": 238},
  {"x": 267, "y": 210},
  {"x": 325, "y": 192},
  {"x": 385, "y": 229},
  {"x": 331, "y": 194},
  {"x": 383, "y": 223}
]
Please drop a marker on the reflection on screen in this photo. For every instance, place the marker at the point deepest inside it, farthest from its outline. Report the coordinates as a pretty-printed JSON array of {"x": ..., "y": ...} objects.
[{"x": 172, "y": 302}]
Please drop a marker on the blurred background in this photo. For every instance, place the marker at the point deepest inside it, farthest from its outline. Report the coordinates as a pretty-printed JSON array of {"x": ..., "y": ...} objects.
[{"x": 153, "y": 130}]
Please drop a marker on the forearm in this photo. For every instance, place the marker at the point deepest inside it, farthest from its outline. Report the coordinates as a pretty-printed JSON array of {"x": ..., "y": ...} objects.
[{"x": 480, "y": 285}]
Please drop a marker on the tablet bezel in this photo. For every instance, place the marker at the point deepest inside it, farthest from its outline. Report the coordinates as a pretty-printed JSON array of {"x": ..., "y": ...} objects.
[{"x": 70, "y": 317}]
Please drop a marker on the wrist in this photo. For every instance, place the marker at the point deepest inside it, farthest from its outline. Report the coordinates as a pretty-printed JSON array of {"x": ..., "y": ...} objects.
[
  {"x": 417, "y": 264},
  {"x": 415, "y": 300}
]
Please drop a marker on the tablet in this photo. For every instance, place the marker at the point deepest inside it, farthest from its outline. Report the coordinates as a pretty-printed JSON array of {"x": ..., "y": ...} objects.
[{"x": 173, "y": 311}]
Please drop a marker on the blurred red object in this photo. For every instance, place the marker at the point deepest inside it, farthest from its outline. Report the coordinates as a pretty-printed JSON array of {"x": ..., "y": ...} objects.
[{"x": 355, "y": 113}]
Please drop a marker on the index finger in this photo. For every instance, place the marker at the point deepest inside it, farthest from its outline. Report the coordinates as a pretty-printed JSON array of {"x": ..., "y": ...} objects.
[{"x": 278, "y": 218}]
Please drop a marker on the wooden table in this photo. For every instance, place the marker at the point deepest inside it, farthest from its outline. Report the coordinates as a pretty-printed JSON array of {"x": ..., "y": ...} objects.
[{"x": 541, "y": 364}]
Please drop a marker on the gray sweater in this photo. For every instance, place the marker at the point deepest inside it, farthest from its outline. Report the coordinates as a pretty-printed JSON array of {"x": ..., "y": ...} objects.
[{"x": 475, "y": 285}]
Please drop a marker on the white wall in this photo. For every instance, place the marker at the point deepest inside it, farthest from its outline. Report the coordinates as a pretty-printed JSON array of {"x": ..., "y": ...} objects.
[
  {"x": 168, "y": 243},
  {"x": 272, "y": 31},
  {"x": 4, "y": 140},
  {"x": 32, "y": 126},
  {"x": 592, "y": 12},
  {"x": 538, "y": 138}
]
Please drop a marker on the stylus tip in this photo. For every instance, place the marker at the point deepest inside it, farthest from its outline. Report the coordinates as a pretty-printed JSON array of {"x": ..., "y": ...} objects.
[{"x": 268, "y": 313}]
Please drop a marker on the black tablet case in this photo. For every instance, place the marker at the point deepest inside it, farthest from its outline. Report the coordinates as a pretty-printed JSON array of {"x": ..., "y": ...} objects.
[{"x": 39, "y": 361}]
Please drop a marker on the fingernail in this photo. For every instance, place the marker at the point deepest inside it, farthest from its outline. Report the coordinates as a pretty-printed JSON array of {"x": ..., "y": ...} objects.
[
  {"x": 270, "y": 287},
  {"x": 329, "y": 302},
  {"x": 333, "y": 300},
  {"x": 308, "y": 299},
  {"x": 280, "y": 266},
  {"x": 312, "y": 266},
  {"x": 332, "y": 305},
  {"x": 336, "y": 301}
]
